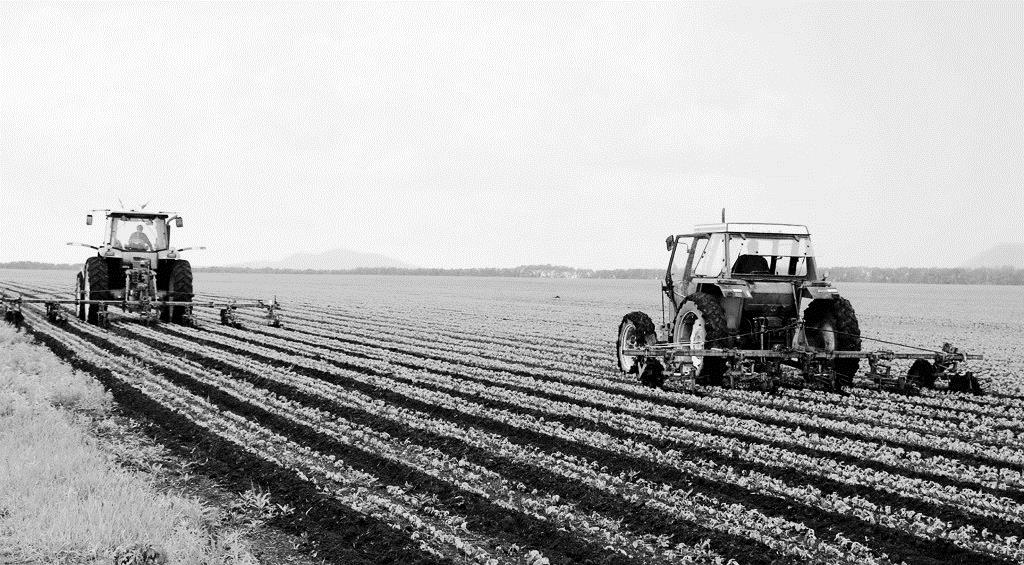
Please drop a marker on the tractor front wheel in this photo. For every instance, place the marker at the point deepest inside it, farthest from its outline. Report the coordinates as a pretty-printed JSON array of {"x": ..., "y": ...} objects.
[
  {"x": 831, "y": 325},
  {"x": 637, "y": 330}
]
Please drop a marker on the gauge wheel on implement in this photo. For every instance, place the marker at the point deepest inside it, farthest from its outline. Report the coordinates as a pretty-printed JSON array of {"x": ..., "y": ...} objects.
[
  {"x": 924, "y": 374},
  {"x": 637, "y": 330}
]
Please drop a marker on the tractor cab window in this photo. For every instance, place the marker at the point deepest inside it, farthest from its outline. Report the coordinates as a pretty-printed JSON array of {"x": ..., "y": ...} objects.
[
  {"x": 772, "y": 256},
  {"x": 709, "y": 256},
  {"x": 138, "y": 234}
]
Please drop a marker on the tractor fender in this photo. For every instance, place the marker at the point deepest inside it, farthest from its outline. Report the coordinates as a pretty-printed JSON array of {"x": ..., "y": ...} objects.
[
  {"x": 734, "y": 289},
  {"x": 731, "y": 295},
  {"x": 722, "y": 288},
  {"x": 819, "y": 292}
]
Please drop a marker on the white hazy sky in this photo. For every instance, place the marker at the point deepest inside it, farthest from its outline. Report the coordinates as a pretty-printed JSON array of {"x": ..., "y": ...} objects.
[{"x": 487, "y": 134}]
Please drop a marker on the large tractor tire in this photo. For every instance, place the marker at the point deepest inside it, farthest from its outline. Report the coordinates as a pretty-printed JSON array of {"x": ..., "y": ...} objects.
[
  {"x": 115, "y": 271},
  {"x": 163, "y": 284},
  {"x": 831, "y": 325},
  {"x": 637, "y": 330},
  {"x": 80, "y": 295},
  {"x": 96, "y": 283},
  {"x": 180, "y": 290},
  {"x": 700, "y": 323}
]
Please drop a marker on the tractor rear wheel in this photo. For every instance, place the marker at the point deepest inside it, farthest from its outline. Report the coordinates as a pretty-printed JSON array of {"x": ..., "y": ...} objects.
[
  {"x": 637, "y": 330},
  {"x": 163, "y": 284},
  {"x": 700, "y": 322},
  {"x": 180, "y": 290},
  {"x": 831, "y": 325},
  {"x": 96, "y": 283}
]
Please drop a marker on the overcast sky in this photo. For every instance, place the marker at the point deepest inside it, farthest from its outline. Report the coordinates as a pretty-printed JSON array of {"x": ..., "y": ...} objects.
[{"x": 460, "y": 135}]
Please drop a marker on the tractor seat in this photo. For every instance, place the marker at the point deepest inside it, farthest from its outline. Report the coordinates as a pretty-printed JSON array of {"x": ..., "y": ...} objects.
[{"x": 750, "y": 264}]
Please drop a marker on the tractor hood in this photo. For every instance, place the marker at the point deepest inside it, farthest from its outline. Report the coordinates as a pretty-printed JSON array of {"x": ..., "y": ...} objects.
[{"x": 128, "y": 257}]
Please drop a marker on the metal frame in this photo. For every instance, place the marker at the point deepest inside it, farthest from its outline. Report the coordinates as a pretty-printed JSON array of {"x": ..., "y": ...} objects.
[
  {"x": 817, "y": 367},
  {"x": 10, "y": 308}
]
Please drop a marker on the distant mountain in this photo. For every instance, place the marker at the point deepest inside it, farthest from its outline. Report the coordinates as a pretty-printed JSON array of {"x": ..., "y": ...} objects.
[
  {"x": 334, "y": 259},
  {"x": 1004, "y": 254}
]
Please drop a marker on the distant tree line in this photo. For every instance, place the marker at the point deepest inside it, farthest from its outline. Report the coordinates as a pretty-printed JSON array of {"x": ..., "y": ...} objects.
[
  {"x": 41, "y": 266},
  {"x": 929, "y": 275},
  {"x": 921, "y": 275}
]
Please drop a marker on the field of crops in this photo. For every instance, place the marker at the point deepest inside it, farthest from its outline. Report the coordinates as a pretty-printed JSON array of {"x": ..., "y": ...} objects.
[{"x": 460, "y": 420}]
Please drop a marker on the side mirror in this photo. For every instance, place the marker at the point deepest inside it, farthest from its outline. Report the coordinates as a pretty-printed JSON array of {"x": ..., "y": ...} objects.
[
  {"x": 178, "y": 223},
  {"x": 669, "y": 242},
  {"x": 88, "y": 219}
]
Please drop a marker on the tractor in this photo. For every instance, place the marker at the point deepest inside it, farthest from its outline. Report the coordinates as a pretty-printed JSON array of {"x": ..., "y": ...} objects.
[
  {"x": 137, "y": 266},
  {"x": 136, "y": 269},
  {"x": 743, "y": 306}
]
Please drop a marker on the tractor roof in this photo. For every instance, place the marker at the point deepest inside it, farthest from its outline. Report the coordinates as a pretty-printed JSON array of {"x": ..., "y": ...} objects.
[
  {"x": 137, "y": 213},
  {"x": 751, "y": 228}
]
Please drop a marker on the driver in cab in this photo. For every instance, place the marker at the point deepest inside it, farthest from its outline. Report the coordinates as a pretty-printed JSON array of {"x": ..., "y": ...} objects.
[{"x": 139, "y": 241}]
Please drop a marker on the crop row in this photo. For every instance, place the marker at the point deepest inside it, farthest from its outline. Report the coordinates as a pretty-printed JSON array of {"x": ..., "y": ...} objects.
[
  {"x": 584, "y": 436},
  {"x": 901, "y": 519},
  {"x": 667, "y": 420},
  {"x": 997, "y": 413},
  {"x": 979, "y": 440}
]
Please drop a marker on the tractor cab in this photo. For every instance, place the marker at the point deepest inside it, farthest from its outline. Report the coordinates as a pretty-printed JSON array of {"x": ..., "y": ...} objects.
[
  {"x": 131, "y": 236},
  {"x": 745, "y": 251},
  {"x": 753, "y": 270},
  {"x": 135, "y": 233}
]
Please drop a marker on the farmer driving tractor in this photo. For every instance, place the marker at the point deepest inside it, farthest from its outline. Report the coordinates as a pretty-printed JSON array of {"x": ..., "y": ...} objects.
[{"x": 139, "y": 241}]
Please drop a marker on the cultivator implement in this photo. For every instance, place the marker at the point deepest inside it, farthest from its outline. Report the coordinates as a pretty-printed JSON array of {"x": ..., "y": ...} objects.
[
  {"x": 145, "y": 309},
  {"x": 768, "y": 369}
]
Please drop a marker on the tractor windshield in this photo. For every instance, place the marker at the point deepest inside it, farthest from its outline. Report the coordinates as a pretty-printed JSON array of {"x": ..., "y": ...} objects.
[
  {"x": 129, "y": 233},
  {"x": 788, "y": 256},
  {"x": 709, "y": 256}
]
